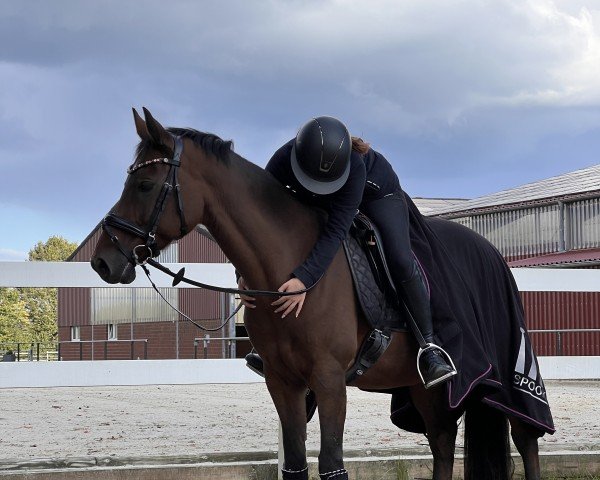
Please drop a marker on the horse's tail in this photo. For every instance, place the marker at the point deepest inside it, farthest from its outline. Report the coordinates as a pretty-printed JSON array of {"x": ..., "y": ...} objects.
[{"x": 487, "y": 449}]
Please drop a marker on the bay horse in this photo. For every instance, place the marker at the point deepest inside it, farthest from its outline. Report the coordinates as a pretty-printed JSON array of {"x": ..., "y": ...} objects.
[{"x": 265, "y": 232}]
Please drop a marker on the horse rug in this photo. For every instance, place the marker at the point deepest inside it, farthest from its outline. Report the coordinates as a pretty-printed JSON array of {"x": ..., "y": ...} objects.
[{"x": 479, "y": 320}]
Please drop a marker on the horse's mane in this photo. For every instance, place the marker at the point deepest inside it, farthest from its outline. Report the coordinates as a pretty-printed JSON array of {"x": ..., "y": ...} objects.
[
  {"x": 209, "y": 142},
  {"x": 274, "y": 196}
]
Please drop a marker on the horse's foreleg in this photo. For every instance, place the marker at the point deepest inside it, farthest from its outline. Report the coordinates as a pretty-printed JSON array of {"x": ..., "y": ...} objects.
[
  {"x": 441, "y": 428},
  {"x": 330, "y": 390},
  {"x": 525, "y": 438},
  {"x": 290, "y": 403}
]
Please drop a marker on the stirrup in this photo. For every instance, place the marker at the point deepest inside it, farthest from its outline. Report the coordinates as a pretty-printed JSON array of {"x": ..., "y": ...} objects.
[
  {"x": 255, "y": 369},
  {"x": 443, "y": 378}
]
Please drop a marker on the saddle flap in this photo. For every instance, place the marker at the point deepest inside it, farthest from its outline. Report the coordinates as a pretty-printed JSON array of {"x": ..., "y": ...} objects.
[
  {"x": 369, "y": 238},
  {"x": 380, "y": 312}
]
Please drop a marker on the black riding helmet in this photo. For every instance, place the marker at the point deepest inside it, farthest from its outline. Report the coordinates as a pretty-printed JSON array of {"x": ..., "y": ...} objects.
[{"x": 321, "y": 155}]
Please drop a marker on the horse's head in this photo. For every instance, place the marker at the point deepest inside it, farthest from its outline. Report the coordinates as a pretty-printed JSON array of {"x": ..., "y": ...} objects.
[{"x": 149, "y": 215}]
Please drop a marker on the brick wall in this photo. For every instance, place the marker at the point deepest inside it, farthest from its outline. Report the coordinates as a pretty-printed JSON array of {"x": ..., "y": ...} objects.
[{"x": 161, "y": 343}]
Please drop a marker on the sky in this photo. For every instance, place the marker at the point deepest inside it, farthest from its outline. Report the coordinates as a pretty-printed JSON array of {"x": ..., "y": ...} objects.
[{"x": 464, "y": 97}]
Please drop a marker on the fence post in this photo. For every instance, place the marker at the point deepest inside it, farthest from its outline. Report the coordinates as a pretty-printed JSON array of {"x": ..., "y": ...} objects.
[
  {"x": 280, "y": 457},
  {"x": 146, "y": 349},
  {"x": 559, "y": 344},
  {"x": 206, "y": 341},
  {"x": 81, "y": 350},
  {"x": 195, "y": 348},
  {"x": 18, "y": 352},
  {"x": 131, "y": 348},
  {"x": 58, "y": 351},
  {"x": 38, "y": 351}
]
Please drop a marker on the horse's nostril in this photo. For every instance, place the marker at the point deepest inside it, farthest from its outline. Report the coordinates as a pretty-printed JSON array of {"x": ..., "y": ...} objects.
[{"x": 101, "y": 267}]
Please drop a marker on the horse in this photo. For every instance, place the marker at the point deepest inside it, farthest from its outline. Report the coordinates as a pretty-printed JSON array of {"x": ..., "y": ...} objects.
[{"x": 265, "y": 233}]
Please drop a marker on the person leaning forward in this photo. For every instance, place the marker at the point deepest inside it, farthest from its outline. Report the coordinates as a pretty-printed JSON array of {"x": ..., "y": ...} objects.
[{"x": 326, "y": 168}]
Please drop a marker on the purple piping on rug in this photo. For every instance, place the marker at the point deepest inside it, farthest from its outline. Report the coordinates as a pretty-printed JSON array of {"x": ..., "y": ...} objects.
[
  {"x": 424, "y": 274},
  {"x": 468, "y": 389},
  {"x": 519, "y": 414},
  {"x": 494, "y": 381}
]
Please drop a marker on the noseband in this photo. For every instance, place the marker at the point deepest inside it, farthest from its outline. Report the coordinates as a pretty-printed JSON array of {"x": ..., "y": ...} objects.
[{"x": 171, "y": 183}]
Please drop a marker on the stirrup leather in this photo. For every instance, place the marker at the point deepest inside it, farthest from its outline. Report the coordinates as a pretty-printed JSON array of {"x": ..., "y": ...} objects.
[{"x": 433, "y": 346}]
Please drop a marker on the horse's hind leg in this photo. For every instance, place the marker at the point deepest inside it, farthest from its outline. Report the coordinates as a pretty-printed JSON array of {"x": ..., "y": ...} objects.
[
  {"x": 441, "y": 426},
  {"x": 289, "y": 400},
  {"x": 525, "y": 437}
]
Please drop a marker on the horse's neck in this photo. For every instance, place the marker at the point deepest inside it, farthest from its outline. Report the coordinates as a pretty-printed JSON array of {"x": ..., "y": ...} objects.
[{"x": 263, "y": 230}]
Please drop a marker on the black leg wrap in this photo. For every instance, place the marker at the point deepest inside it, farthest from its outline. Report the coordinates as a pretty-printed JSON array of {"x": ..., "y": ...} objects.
[
  {"x": 295, "y": 474},
  {"x": 341, "y": 474}
]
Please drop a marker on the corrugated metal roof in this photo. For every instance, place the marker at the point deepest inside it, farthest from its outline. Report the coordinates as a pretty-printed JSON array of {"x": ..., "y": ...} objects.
[
  {"x": 428, "y": 206},
  {"x": 571, "y": 258},
  {"x": 572, "y": 183}
]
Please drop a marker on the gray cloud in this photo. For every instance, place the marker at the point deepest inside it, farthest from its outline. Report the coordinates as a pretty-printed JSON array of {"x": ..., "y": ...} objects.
[{"x": 464, "y": 97}]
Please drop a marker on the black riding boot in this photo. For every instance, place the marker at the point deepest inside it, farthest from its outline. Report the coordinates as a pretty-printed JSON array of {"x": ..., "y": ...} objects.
[
  {"x": 433, "y": 365},
  {"x": 255, "y": 363}
]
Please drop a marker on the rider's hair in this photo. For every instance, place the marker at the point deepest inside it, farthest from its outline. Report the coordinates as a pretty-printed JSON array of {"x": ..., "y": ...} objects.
[{"x": 360, "y": 146}]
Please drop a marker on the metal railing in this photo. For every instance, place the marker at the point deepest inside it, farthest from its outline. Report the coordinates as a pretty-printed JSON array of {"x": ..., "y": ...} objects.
[
  {"x": 105, "y": 343},
  {"x": 27, "y": 351},
  {"x": 559, "y": 336},
  {"x": 205, "y": 341},
  {"x": 229, "y": 351}
]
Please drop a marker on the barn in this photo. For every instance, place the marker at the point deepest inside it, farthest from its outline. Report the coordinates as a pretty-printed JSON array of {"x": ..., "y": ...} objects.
[
  {"x": 549, "y": 223},
  {"x": 124, "y": 323}
]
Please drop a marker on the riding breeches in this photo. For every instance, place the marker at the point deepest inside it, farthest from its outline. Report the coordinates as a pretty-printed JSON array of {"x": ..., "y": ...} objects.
[{"x": 390, "y": 215}]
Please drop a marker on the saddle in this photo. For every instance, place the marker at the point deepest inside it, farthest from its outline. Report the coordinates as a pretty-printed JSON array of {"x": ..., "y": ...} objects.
[
  {"x": 375, "y": 291},
  {"x": 372, "y": 280}
]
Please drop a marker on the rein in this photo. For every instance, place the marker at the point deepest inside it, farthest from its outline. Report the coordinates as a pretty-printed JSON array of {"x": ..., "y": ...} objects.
[
  {"x": 150, "y": 246},
  {"x": 201, "y": 327},
  {"x": 180, "y": 277}
]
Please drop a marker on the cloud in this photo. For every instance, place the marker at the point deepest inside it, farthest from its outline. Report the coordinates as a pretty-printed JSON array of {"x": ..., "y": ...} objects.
[{"x": 455, "y": 94}]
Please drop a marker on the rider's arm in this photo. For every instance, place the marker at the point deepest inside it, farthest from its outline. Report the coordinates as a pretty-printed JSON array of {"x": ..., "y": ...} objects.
[
  {"x": 342, "y": 209},
  {"x": 279, "y": 165}
]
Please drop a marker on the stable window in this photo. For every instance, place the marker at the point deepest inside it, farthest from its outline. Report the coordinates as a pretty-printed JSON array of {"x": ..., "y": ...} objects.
[
  {"x": 112, "y": 331},
  {"x": 75, "y": 333}
]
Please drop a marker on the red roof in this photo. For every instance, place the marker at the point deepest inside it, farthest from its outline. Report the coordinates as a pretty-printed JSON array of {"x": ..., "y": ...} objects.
[{"x": 565, "y": 259}]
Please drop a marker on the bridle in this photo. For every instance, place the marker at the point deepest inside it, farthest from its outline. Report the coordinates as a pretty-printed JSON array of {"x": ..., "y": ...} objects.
[
  {"x": 150, "y": 246},
  {"x": 171, "y": 184}
]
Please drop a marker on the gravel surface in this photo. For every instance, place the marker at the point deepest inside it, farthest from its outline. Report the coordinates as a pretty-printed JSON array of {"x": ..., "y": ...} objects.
[{"x": 202, "y": 419}]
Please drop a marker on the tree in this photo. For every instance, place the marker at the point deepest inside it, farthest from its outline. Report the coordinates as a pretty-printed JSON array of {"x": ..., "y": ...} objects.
[
  {"x": 55, "y": 249},
  {"x": 14, "y": 320},
  {"x": 28, "y": 315},
  {"x": 42, "y": 303}
]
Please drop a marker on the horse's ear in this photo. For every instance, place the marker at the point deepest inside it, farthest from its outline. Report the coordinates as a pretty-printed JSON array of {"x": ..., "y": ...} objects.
[
  {"x": 140, "y": 126},
  {"x": 157, "y": 132}
]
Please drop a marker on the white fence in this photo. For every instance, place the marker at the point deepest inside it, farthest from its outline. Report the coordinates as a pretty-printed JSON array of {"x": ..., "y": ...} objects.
[
  {"x": 80, "y": 274},
  {"x": 124, "y": 372},
  {"x": 195, "y": 372}
]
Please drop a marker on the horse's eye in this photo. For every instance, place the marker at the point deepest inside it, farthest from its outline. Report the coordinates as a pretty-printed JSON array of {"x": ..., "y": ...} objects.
[{"x": 145, "y": 186}]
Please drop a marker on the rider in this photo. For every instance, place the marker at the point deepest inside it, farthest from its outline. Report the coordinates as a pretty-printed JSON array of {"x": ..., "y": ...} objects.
[{"x": 327, "y": 168}]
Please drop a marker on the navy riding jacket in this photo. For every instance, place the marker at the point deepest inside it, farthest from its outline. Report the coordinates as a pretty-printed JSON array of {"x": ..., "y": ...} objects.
[{"x": 371, "y": 177}]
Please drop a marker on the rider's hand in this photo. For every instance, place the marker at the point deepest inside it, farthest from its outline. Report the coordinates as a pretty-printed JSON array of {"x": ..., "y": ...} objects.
[
  {"x": 247, "y": 301},
  {"x": 287, "y": 304}
]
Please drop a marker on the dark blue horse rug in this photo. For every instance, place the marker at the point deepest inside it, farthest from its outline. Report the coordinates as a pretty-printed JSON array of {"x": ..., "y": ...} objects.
[{"x": 479, "y": 320}]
